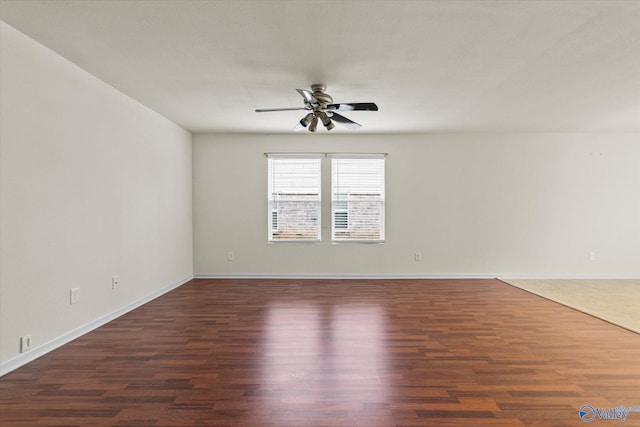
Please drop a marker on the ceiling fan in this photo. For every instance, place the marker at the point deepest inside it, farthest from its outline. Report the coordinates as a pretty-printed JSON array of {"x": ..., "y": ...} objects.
[{"x": 321, "y": 108}]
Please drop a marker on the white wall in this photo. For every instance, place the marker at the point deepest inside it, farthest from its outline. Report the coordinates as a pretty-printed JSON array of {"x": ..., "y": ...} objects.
[
  {"x": 93, "y": 184},
  {"x": 472, "y": 204}
]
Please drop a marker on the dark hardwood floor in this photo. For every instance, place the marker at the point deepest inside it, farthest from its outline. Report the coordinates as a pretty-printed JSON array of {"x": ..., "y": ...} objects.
[{"x": 372, "y": 353}]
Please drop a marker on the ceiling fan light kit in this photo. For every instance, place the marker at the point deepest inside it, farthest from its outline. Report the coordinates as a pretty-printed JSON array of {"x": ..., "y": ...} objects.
[
  {"x": 321, "y": 107},
  {"x": 314, "y": 124},
  {"x": 306, "y": 120},
  {"x": 326, "y": 121}
]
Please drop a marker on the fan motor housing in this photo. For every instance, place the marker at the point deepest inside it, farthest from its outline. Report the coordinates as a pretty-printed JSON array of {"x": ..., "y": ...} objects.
[{"x": 320, "y": 95}]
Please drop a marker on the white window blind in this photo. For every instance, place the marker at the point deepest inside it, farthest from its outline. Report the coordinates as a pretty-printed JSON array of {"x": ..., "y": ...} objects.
[
  {"x": 294, "y": 199},
  {"x": 357, "y": 199}
]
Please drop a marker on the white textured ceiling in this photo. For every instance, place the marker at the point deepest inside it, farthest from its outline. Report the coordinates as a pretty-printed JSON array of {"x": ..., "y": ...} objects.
[{"x": 431, "y": 66}]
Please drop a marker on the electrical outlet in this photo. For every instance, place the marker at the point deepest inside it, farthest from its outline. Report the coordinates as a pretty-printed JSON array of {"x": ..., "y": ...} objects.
[
  {"x": 230, "y": 256},
  {"x": 25, "y": 343},
  {"x": 115, "y": 282},
  {"x": 74, "y": 295},
  {"x": 592, "y": 255},
  {"x": 417, "y": 256}
]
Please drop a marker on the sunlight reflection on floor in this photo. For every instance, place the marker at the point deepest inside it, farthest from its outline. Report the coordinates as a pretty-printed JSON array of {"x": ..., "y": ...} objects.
[{"x": 319, "y": 353}]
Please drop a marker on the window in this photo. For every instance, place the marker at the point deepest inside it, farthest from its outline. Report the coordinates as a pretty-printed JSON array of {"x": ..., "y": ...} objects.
[
  {"x": 294, "y": 198},
  {"x": 357, "y": 199}
]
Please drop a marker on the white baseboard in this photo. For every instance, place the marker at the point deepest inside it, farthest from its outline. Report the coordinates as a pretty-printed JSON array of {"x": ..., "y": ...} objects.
[
  {"x": 347, "y": 276},
  {"x": 45, "y": 348},
  {"x": 502, "y": 276},
  {"x": 594, "y": 276}
]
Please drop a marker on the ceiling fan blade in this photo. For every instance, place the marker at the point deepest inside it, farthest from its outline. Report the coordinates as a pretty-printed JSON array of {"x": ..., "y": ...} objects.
[
  {"x": 266, "y": 110},
  {"x": 355, "y": 106},
  {"x": 308, "y": 96},
  {"x": 349, "y": 124}
]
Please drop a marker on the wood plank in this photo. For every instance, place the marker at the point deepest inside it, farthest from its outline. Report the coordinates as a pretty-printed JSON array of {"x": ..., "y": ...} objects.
[{"x": 375, "y": 353}]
